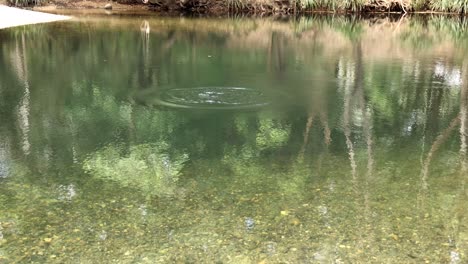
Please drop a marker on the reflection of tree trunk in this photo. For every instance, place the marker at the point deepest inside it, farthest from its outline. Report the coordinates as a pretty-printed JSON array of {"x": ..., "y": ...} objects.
[
  {"x": 276, "y": 58},
  {"x": 20, "y": 64},
  {"x": 357, "y": 94},
  {"x": 145, "y": 36},
  {"x": 366, "y": 114},
  {"x": 348, "y": 93},
  {"x": 432, "y": 109},
  {"x": 357, "y": 89},
  {"x": 171, "y": 39},
  {"x": 458, "y": 214},
  {"x": 347, "y": 132},
  {"x": 464, "y": 118},
  {"x": 427, "y": 162},
  {"x": 367, "y": 126},
  {"x": 367, "y": 129},
  {"x": 326, "y": 129},
  {"x": 316, "y": 107},
  {"x": 132, "y": 125},
  {"x": 435, "y": 146},
  {"x": 435, "y": 101},
  {"x": 310, "y": 120},
  {"x": 460, "y": 207}
]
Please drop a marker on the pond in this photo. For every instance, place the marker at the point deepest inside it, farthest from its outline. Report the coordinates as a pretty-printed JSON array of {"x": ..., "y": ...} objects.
[{"x": 322, "y": 139}]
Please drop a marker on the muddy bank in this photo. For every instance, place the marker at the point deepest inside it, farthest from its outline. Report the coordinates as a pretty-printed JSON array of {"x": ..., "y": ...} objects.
[
  {"x": 135, "y": 6},
  {"x": 94, "y": 4},
  {"x": 217, "y": 7}
]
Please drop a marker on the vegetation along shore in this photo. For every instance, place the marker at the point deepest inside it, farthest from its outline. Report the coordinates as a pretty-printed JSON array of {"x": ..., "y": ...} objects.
[{"x": 261, "y": 6}]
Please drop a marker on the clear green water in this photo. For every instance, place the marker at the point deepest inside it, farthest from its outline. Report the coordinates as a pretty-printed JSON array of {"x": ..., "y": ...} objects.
[{"x": 345, "y": 141}]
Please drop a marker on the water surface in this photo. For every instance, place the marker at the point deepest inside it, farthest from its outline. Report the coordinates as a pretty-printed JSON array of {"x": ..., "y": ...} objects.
[{"x": 137, "y": 139}]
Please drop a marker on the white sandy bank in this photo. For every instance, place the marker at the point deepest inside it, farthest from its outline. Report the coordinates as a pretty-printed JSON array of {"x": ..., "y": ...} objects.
[{"x": 12, "y": 17}]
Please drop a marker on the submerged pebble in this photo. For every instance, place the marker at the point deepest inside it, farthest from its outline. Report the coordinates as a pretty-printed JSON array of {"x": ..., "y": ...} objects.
[
  {"x": 103, "y": 235},
  {"x": 271, "y": 248},
  {"x": 249, "y": 223},
  {"x": 454, "y": 257},
  {"x": 143, "y": 210}
]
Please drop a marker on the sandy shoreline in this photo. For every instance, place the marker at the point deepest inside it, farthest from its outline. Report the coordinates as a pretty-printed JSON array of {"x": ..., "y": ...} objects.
[{"x": 12, "y": 17}]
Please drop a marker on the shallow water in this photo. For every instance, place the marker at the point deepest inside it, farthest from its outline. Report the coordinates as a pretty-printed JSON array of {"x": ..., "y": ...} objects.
[{"x": 137, "y": 139}]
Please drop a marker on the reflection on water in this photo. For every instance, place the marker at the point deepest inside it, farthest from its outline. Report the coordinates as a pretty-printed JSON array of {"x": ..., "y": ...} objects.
[
  {"x": 146, "y": 167},
  {"x": 357, "y": 155},
  {"x": 4, "y": 170},
  {"x": 18, "y": 61}
]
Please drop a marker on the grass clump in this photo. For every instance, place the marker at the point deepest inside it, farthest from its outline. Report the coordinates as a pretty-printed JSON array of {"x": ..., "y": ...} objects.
[
  {"x": 334, "y": 5},
  {"x": 455, "y": 6}
]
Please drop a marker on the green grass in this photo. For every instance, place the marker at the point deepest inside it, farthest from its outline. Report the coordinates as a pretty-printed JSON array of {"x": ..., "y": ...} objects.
[{"x": 456, "y": 6}]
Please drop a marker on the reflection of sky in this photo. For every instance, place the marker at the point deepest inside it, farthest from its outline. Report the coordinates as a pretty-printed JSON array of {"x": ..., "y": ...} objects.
[{"x": 452, "y": 77}]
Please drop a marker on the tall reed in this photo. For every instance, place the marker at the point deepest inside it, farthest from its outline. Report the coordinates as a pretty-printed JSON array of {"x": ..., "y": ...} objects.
[
  {"x": 454, "y": 6},
  {"x": 457, "y": 6}
]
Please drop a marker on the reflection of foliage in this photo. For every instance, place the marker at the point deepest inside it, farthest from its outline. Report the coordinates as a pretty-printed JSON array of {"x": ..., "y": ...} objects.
[
  {"x": 456, "y": 28},
  {"x": 352, "y": 28},
  {"x": 423, "y": 34},
  {"x": 271, "y": 134},
  {"x": 146, "y": 167},
  {"x": 103, "y": 106},
  {"x": 418, "y": 36}
]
